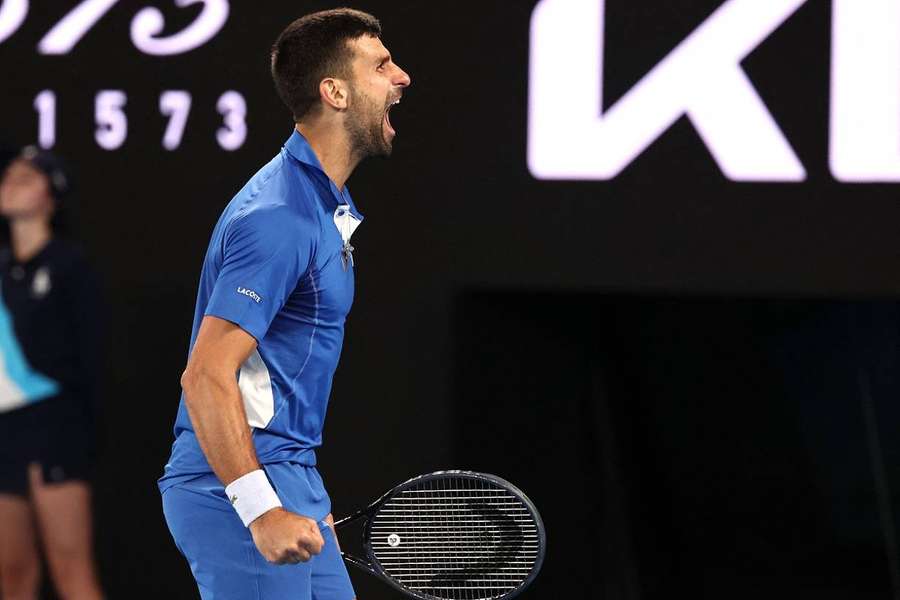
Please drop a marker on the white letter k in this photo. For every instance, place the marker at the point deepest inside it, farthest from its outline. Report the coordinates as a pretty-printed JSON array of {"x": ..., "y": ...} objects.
[{"x": 569, "y": 138}]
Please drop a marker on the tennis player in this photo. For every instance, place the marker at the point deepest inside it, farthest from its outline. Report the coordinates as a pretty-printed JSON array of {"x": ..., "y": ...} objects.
[{"x": 241, "y": 493}]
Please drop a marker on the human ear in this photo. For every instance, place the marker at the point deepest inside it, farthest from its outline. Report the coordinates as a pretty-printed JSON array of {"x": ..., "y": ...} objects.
[{"x": 334, "y": 93}]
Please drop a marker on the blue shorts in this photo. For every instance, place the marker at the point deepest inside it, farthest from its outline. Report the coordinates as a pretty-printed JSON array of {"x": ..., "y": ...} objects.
[{"x": 221, "y": 552}]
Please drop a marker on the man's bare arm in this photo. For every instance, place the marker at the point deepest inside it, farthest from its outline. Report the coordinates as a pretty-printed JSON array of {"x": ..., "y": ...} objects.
[
  {"x": 214, "y": 404},
  {"x": 213, "y": 399}
]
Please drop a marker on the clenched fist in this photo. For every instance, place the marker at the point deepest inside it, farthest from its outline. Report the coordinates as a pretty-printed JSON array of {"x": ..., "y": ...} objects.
[{"x": 283, "y": 537}]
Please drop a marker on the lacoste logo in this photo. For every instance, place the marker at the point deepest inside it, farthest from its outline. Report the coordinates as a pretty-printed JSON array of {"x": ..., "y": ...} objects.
[{"x": 250, "y": 293}]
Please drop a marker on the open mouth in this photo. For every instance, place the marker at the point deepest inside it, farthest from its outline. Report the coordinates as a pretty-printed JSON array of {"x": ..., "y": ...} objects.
[{"x": 387, "y": 118}]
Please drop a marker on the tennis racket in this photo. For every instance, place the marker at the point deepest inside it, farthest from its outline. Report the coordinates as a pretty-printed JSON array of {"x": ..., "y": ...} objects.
[{"x": 452, "y": 535}]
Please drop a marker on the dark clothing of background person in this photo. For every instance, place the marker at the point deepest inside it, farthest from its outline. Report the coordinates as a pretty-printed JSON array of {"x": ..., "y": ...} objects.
[
  {"x": 52, "y": 304},
  {"x": 7, "y": 153}
]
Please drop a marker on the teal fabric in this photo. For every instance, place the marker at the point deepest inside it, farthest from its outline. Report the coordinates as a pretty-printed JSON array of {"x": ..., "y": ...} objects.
[{"x": 33, "y": 385}]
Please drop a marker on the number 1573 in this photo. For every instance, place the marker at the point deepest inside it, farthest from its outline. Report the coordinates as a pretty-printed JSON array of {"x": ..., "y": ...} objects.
[{"x": 112, "y": 122}]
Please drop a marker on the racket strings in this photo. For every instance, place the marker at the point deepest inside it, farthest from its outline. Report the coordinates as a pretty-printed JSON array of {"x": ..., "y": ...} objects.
[{"x": 456, "y": 538}]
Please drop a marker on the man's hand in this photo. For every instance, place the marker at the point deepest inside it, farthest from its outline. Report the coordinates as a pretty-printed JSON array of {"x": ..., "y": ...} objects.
[{"x": 283, "y": 537}]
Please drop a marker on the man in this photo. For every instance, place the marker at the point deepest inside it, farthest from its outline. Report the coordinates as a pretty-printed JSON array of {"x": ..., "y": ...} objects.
[{"x": 241, "y": 494}]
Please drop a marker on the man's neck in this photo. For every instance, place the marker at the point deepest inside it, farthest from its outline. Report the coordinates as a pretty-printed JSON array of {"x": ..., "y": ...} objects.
[
  {"x": 28, "y": 237},
  {"x": 331, "y": 145}
]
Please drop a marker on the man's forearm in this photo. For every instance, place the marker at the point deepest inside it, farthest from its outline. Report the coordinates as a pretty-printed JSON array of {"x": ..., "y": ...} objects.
[{"x": 217, "y": 413}]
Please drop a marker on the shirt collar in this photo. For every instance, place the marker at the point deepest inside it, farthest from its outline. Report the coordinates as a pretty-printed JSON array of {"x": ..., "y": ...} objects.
[{"x": 299, "y": 148}]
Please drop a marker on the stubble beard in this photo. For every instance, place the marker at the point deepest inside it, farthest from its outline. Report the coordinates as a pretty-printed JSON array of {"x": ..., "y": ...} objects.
[{"x": 365, "y": 129}]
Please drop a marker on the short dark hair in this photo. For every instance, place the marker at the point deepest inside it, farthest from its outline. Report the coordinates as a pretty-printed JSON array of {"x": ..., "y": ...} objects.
[{"x": 313, "y": 48}]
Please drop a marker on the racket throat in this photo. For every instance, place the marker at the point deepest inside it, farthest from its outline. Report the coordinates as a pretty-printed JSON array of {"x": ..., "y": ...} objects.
[{"x": 359, "y": 564}]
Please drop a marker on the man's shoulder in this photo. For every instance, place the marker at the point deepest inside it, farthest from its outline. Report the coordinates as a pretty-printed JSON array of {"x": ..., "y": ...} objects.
[
  {"x": 268, "y": 202},
  {"x": 280, "y": 190}
]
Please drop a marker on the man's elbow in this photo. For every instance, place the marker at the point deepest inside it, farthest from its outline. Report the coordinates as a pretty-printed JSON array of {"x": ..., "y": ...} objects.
[
  {"x": 187, "y": 379},
  {"x": 191, "y": 381},
  {"x": 202, "y": 381}
]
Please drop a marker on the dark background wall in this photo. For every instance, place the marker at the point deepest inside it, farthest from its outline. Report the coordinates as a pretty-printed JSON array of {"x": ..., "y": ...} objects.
[
  {"x": 690, "y": 446},
  {"x": 454, "y": 210}
]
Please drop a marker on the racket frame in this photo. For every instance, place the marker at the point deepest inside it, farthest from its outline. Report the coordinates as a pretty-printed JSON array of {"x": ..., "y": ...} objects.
[{"x": 373, "y": 567}]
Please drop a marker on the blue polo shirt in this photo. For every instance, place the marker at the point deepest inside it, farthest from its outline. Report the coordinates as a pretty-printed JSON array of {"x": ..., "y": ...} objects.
[{"x": 280, "y": 266}]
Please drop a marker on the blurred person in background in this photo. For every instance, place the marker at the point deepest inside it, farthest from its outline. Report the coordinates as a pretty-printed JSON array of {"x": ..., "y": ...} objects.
[{"x": 49, "y": 354}]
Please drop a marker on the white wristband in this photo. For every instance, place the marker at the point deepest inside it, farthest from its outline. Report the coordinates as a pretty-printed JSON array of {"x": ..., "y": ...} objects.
[{"x": 251, "y": 495}]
